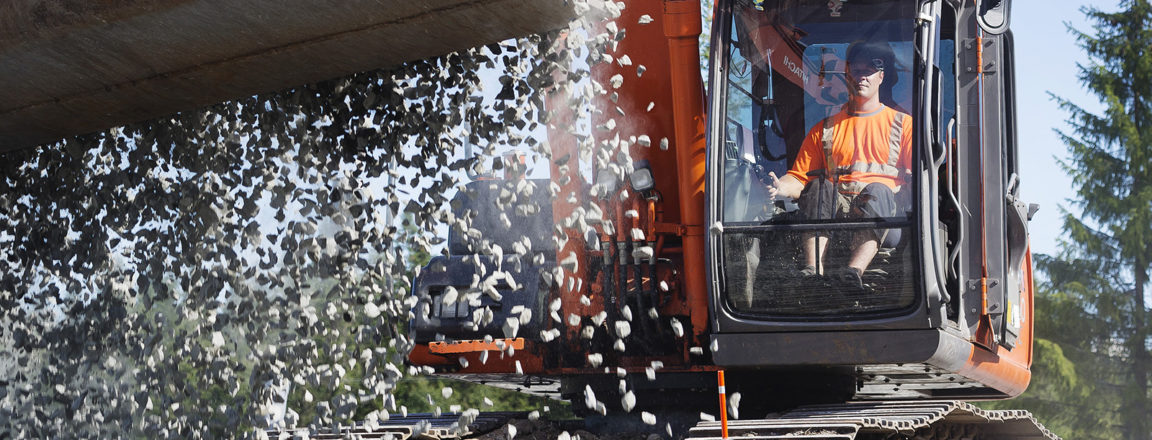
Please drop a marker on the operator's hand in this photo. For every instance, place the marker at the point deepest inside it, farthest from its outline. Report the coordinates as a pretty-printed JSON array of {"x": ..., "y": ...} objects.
[
  {"x": 773, "y": 186},
  {"x": 784, "y": 187}
]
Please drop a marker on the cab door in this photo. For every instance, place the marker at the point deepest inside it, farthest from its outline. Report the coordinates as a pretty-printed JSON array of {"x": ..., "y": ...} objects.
[{"x": 992, "y": 266}]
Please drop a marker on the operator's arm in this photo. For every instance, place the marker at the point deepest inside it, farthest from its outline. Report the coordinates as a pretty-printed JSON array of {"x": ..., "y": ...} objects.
[
  {"x": 904, "y": 164},
  {"x": 904, "y": 168},
  {"x": 809, "y": 158}
]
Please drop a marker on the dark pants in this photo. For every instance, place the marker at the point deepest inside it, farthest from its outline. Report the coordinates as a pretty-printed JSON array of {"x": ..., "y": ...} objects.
[{"x": 820, "y": 200}]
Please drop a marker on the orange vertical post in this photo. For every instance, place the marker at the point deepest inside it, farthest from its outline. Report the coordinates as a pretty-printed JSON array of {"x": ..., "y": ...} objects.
[
  {"x": 723, "y": 405},
  {"x": 682, "y": 27}
]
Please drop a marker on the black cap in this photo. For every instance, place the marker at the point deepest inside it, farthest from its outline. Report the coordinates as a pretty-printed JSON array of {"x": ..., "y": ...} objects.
[{"x": 875, "y": 53}]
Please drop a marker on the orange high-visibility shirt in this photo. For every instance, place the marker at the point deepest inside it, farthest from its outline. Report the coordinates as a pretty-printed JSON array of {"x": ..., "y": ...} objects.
[{"x": 863, "y": 147}]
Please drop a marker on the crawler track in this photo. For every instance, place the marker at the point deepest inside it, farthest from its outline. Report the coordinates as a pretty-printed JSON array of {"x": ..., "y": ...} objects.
[
  {"x": 928, "y": 420},
  {"x": 924, "y": 420}
]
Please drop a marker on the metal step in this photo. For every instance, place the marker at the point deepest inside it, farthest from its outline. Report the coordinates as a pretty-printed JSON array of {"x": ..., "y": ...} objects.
[{"x": 920, "y": 420}]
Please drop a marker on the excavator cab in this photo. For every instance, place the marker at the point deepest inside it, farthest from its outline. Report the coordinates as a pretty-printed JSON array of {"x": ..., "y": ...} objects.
[
  {"x": 781, "y": 89},
  {"x": 942, "y": 307}
]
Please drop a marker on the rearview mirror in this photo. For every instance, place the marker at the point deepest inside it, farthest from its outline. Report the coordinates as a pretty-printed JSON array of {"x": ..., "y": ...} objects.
[{"x": 992, "y": 15}]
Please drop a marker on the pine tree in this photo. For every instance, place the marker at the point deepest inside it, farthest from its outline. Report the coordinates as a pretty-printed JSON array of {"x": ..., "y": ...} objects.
[{"x": 1105, "y": 260}]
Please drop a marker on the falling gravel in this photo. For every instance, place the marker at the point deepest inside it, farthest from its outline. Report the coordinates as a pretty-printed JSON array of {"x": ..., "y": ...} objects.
[{"x": 248, "y": 264}]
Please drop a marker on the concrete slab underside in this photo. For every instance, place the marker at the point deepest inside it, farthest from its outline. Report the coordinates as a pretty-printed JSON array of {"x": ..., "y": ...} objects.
[{"x": 70, "y": 67}]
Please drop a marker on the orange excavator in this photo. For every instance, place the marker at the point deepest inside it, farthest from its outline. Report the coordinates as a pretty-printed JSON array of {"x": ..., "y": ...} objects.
[
  {"x": 674, "y": 260},
  {"x": 656, "y": 255}
]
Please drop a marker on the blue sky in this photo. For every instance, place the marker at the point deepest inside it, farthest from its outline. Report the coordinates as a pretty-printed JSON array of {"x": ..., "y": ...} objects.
[{"x": 1046, "y": 57}]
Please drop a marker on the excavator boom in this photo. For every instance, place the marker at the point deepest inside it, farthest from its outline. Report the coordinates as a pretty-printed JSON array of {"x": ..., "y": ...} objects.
[{"x": 70, "y": 68}]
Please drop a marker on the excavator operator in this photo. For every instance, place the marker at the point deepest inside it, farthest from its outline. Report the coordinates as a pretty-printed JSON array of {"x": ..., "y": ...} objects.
[{"x": 852, "y": 165}]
